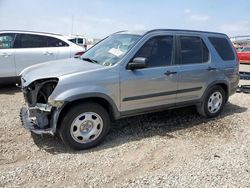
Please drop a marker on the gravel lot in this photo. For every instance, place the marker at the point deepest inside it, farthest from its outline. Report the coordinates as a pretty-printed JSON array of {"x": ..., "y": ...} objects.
[{"x": 174, "y": 148}]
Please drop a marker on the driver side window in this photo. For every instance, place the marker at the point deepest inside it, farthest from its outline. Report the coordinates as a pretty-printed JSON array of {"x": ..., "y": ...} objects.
[{"x": 158, "y": 51}]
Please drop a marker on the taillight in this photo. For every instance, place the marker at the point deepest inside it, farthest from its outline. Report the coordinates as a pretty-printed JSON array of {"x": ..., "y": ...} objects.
[{"x": 78, "y": 54}]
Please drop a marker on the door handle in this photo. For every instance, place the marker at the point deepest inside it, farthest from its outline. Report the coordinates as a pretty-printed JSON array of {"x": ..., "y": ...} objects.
[
  {"x": 48, "y": 53},
  {"x": 168, "y": 73},
  {"x": 211, "y": 69},
  {"x": 6, "y": 54}
]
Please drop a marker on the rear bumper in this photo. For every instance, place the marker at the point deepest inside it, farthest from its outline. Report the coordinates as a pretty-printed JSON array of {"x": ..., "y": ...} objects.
[{"x": 31, "y": 124}]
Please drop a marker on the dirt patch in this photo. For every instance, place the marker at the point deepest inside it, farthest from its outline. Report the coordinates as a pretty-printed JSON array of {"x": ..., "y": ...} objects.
[{"x": 176, "y": 148}]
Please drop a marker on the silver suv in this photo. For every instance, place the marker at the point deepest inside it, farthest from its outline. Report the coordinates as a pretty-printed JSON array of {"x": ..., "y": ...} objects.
[
  {"x": 21, "y": 49},
  {"x": 126, "y": 74}
]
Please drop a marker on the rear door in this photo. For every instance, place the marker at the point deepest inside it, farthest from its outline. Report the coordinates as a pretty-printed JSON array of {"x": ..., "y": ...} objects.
[
  {"x": 7, "y": 55},
  {"x": 196, "y": 69},
  {"x": 62, "y": 48},
  {"x": 32, "y": 49}
]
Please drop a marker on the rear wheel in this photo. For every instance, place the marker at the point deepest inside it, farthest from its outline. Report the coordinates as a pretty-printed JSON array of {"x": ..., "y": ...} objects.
[
  {"x": 213, "y": 102},
  {"x": 84, "y": 126}
]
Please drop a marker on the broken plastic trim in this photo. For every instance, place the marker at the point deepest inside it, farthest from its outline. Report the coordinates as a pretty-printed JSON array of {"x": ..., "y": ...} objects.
[
  {"x": 30, "y": 124},
  {"x": 39, "y": 91}
]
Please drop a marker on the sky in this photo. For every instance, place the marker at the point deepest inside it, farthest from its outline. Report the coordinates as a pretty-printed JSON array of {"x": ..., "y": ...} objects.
[{"x": 99, "y": 18}]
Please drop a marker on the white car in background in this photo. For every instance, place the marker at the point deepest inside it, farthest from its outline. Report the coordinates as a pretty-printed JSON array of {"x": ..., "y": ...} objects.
[{"x": 21, "y": 49}]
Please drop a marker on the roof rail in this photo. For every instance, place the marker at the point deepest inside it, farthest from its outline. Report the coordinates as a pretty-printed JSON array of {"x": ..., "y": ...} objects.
[
  {"x": 38, "y": 32},
  {"x": 184, "y": 30},
  {"x": 119, "y": 32}
]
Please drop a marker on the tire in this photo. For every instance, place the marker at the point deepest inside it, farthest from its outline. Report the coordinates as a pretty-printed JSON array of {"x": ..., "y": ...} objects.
[
  {"x": 206, "y": 108},
  {"x": 84, "y": 126}
]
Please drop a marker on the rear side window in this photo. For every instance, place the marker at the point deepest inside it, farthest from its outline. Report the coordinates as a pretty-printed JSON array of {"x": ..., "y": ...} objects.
[
  {"x": 38, "y": 41},
  {"x": 158, "y": 51},
  {"x": 7, "y": 41},
  {"x": 223, "y": 48},
  {"x": 193, "y": 50},
  {"x": 32, "y": 41},
  {"x": 54, "y": 42}
]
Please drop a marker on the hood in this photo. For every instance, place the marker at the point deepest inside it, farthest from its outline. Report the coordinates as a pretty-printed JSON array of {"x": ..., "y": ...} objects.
[{"x": 55, "y": 69}]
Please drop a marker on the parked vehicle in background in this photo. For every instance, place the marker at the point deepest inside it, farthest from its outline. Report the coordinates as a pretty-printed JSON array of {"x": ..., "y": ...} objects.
[
  {"x": 239, "y": 49},
  {"x": 79, "y": 40},
  {"x": 126, "y": 74},
  {"x": 244, "y": 55},
  {"x": 21, "y": 49}
]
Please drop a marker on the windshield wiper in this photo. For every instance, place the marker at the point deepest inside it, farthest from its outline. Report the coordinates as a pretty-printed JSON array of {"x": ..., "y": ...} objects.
[{"x": 90, "y": 60}]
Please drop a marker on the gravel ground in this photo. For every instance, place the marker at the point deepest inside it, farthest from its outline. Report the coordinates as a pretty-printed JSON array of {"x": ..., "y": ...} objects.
[{"x": 174, "y": 148}]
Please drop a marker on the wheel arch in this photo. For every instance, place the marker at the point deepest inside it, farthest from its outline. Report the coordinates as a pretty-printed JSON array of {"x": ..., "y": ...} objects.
[
  {"x": 222, "y": 83},
  {"x": 99, "y": 98}
]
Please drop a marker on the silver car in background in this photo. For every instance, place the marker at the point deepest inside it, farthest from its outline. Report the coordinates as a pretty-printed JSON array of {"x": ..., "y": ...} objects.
[
  {"x": 126, "y": 74},
  {"x": 21, "y": 49}
]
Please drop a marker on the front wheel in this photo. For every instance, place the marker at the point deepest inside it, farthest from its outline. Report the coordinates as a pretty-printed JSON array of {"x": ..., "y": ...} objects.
[
  {"x": 213, "y": 102},
  {"x": 84, "y": 126}
]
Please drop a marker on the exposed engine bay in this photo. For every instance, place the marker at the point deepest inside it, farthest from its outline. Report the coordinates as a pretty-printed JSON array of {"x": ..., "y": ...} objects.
[{"x": 37, "y": 114}]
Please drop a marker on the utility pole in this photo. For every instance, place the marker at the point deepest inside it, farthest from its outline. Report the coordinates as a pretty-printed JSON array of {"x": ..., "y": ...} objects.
[{"x": 72, "y": 25}]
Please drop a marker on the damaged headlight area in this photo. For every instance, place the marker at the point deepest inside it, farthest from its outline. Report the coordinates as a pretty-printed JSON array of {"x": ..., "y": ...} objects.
[{"x": 37, "y": 116}]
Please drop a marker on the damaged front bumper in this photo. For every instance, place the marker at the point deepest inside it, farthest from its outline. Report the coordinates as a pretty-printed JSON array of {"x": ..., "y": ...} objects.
[
  {"x": 39, "y": 115},
  {"x": 31, "y": 123},
  {"x": 39, "y": 120}
]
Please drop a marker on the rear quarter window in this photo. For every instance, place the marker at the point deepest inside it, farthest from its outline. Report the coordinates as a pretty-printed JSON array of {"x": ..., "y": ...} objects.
[
  {"x": 223, "y": 48},
  {"x": 54, "y": 42}
]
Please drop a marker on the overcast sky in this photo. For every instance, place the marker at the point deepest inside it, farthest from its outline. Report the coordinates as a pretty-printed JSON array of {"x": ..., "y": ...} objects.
[{"x": 98, "y": 18}]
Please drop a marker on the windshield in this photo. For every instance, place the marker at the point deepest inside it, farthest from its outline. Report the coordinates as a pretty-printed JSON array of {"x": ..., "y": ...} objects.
[{"x": 109, "y": 51}]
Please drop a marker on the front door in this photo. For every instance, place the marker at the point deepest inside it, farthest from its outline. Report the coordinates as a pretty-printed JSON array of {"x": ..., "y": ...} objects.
[
  {"x": 7, "y": 55},
  {"x": 156, "y": 85}
]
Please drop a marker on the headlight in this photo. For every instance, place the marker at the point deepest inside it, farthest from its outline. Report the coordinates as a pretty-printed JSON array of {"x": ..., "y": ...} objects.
[{"x": 55, "y": 103}]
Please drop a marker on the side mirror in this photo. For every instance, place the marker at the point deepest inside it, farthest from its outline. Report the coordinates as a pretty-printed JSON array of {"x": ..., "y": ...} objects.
[{"x": 137, "y": 63}]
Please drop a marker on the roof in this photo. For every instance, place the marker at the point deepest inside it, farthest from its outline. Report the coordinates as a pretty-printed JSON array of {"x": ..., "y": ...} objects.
[
  {"x": 144, "y": 32},
  {"x": 34, "y": 32}
]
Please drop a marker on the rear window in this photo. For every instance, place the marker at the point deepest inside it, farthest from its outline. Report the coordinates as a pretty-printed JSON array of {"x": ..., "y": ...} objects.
[{"x": 223, "y": 48}]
